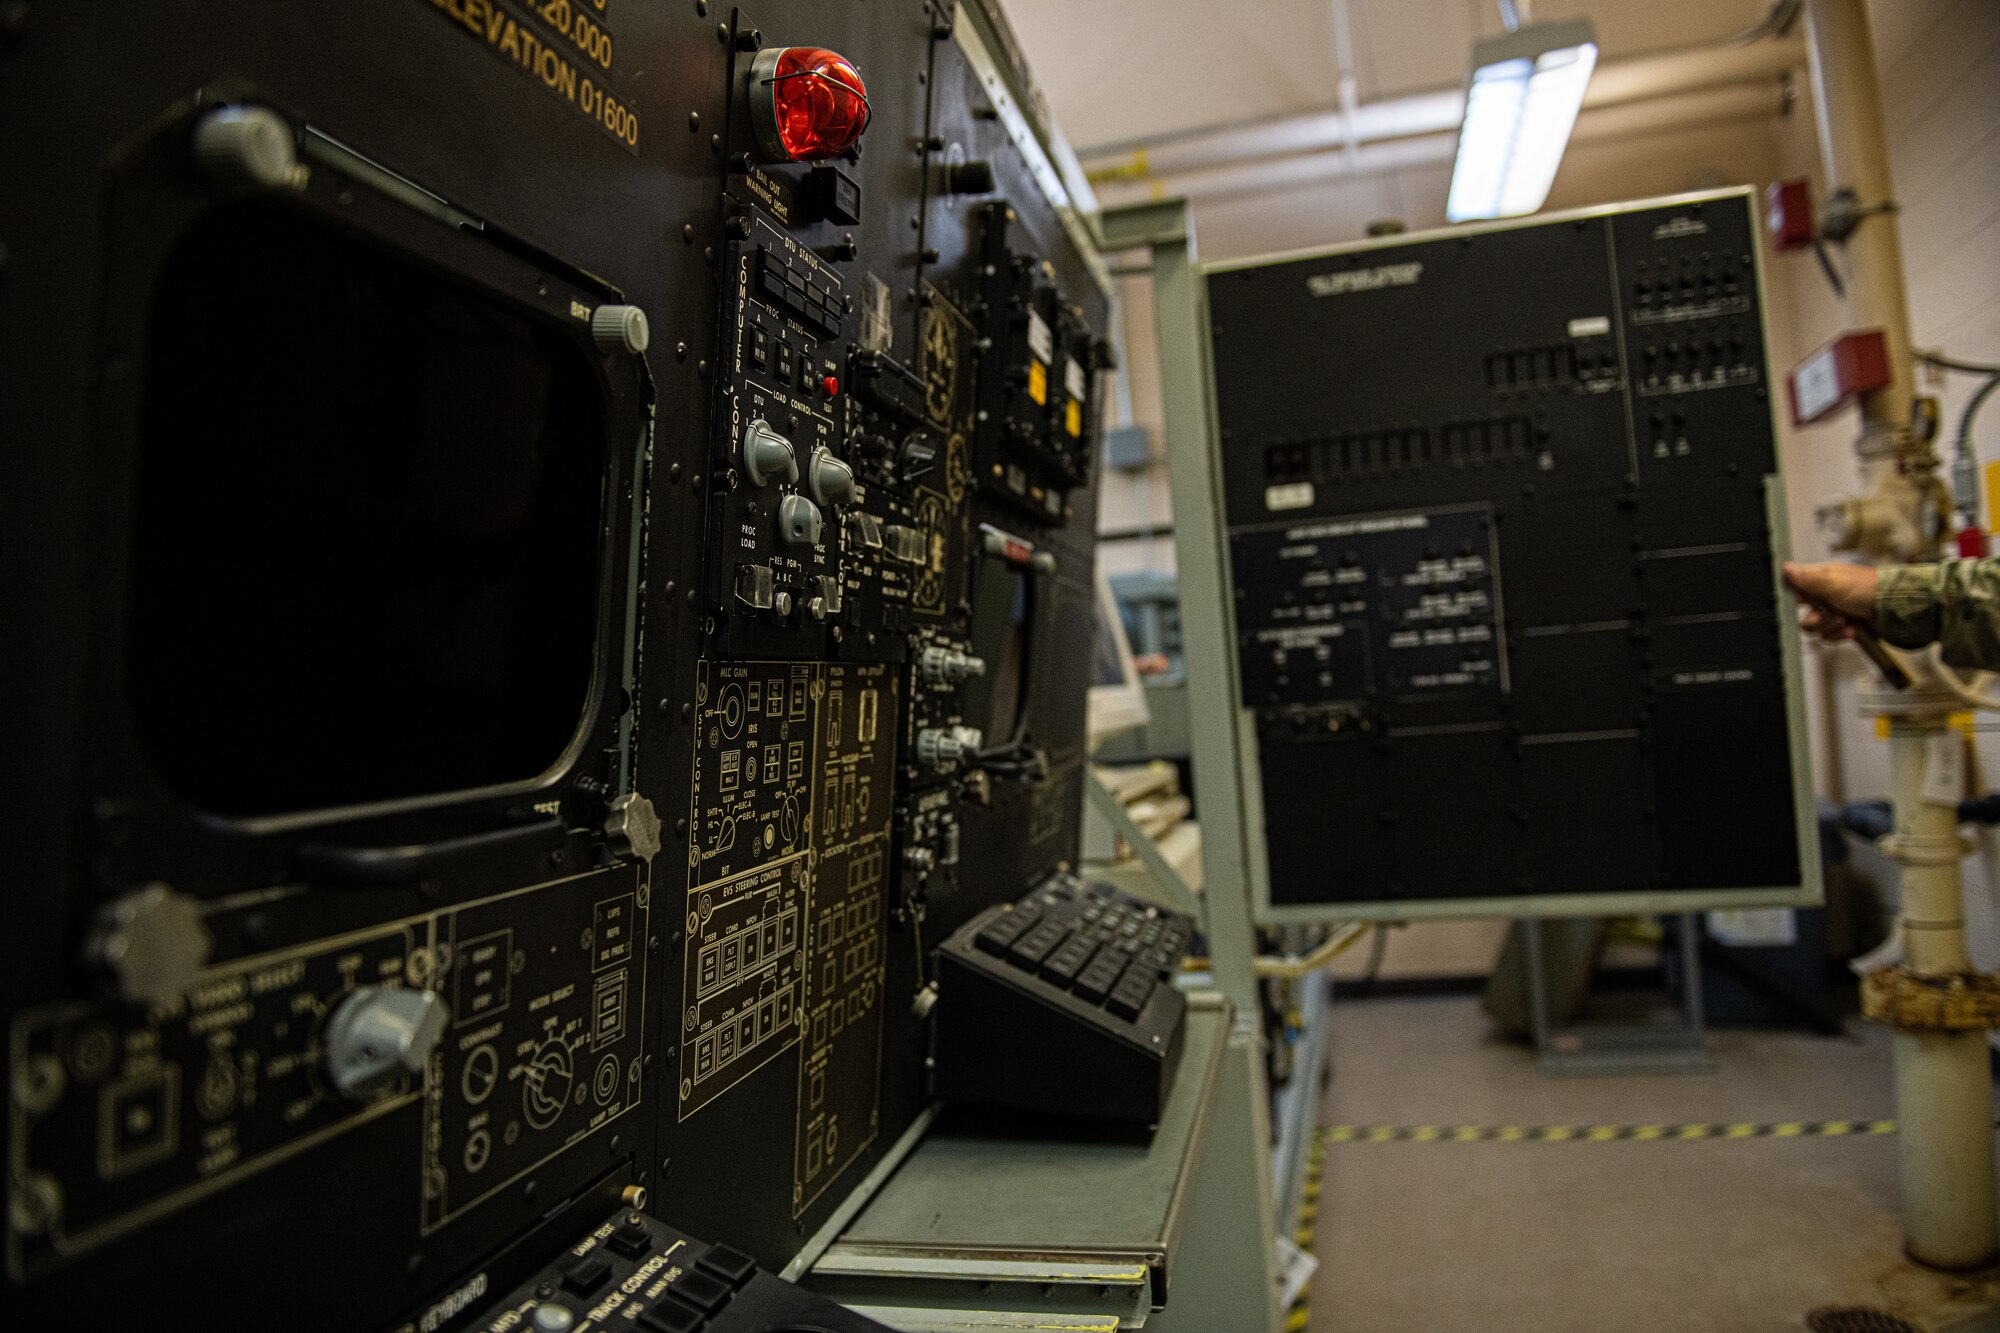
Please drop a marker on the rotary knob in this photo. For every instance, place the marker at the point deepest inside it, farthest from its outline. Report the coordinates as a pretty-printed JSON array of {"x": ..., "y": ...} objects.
[
  {"x": 632, "y": 828},
  {"x": 832, "y": 480},
  {"x": 380, "y": 1033},
  {"x": 798, "y": 521},
  {"x": 948, "y": 666},
  {"x": 153, "y": 943},
  {"x": 619, "y": 328},
  {"x": 246, "y": 146},
  {"x": 767, "y": 455},
  {"x": 946, "y": 747}
]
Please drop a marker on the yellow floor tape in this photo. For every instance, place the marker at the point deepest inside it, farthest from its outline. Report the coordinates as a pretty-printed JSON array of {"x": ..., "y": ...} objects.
[
  {"x": 1297, "y": 1317},
  {"x": 1782, "y": 1129}
]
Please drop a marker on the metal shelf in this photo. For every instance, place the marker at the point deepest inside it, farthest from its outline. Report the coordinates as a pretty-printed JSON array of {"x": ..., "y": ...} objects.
[{"x": 988, "y": 1227}]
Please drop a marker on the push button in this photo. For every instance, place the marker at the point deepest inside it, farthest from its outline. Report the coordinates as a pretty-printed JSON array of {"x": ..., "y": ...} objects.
[
  {"x": 704, "y": 1291},
  {"x": 586, "y": 1275},
  {"x": 732, "y": 1266},
  {"x": 633, "y": 1237},
  {"x": 670, "y": 1316}
]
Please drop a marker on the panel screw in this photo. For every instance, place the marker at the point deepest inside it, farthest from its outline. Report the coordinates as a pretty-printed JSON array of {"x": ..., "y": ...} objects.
[
  {"x": 687, "y": 234},
  {"x": 694, "y": 121},
  {"x": 680, "y": 828},
  {"x": 674, "y": 472},
  {"x": 701, "y": 8}
]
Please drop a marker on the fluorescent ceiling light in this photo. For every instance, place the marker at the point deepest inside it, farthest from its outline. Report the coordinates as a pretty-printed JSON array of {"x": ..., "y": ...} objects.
[{"x": 1526, "y": 89}]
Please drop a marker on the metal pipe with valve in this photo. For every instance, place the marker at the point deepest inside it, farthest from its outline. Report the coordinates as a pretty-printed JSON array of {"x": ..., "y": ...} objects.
[{"x": 1939, "y": 1006}]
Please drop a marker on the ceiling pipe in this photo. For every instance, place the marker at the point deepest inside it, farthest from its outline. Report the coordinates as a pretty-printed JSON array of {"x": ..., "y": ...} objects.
[
  {"x": 1606, "y": 124},
  {"x": 1637, "y": 78}
]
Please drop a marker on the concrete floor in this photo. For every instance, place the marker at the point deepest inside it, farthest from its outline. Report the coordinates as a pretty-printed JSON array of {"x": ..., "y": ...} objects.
[{"x": 1710, "y": 1236}]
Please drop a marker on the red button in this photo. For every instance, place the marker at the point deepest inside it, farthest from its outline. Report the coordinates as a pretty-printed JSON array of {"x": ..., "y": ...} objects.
[{"x": 831, "y": 385}]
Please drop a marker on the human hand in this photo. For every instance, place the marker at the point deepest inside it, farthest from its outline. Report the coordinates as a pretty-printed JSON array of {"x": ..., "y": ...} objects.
[{"x": 1838, "y": 596}]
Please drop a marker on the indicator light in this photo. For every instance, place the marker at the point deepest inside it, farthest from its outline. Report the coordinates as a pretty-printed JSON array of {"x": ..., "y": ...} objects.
[
  {"x": 831, "y": 385},
  {"x": 806, "y": 103}
]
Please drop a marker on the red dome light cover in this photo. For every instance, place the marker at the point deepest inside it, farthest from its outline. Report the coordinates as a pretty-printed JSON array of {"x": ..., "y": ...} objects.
[{"x": 806, "y": 103}]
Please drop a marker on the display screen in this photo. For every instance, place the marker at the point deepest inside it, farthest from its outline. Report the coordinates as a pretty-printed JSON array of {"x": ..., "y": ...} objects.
[
  {"x": 366, "y": 551},
  {"x": 1002, "y": 611}
]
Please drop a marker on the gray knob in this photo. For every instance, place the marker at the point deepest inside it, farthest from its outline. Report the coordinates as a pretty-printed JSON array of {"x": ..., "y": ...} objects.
[
  {"x": 246, "y": 145},
  {"x": 948, "y": 666},
  {"x": 767, "y": 455},
  {"x": 832, "y": 480},
  {"x": 153, "y": 943},
  {"x": 380, "y": 1033},
  {"x": 552, "y": 1319},
  {"x": 619, "y": 328},
  {"x": 945, "y": 747},
  {"x": 633, "y": 827},
  {"x": 798, "y": 521}
]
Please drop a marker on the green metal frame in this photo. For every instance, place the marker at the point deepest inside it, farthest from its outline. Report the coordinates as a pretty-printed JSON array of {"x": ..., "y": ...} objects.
[
  {"x": 1222, "y": 737},
  {"x": 1232, "y": 1239}
]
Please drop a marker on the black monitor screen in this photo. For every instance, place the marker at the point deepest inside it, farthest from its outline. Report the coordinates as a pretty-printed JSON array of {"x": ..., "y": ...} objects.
[
  {"x": 1001, "y": 607},
  {"x": 366, "y": 541}
]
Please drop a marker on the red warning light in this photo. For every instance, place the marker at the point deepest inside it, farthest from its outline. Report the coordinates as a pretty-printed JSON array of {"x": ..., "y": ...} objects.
[{"x": 806, "y": 103}]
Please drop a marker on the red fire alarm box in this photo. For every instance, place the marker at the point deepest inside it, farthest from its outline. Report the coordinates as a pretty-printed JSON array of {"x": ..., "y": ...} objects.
[
  {"x": 1788, "y": 214},
  {"x": 1851, "y": 364}
]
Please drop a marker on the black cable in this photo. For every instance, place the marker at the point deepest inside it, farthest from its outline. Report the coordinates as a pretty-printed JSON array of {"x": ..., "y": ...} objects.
[
  {"x": 1962, "y": 444},
  {"x": 1826, "y": 267},
  {"x": 1962, "y": 438},
  {"x": 1777, "y": 21},
  {"x": 1963, "y": 367}
]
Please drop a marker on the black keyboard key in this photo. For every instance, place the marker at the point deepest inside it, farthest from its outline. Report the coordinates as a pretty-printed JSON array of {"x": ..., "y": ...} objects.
[
  {"x": 1096, "y": 980},
  {"x": 1063, "y": 965},
  {"x": 1003, "y": 930},
  {"x": 1131, "y": 994},
  {"x": 1037, "y": 944}
]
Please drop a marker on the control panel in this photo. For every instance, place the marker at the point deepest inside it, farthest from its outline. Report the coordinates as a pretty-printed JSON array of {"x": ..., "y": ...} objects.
[
  {"x": 540, "y": 787},
  {"x": 1499, "y": 505},
  {"x": 632, "y": 1272}
]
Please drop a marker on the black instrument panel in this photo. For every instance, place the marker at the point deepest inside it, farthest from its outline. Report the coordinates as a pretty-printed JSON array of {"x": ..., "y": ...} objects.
[
  {"x": 1502, "y": 558},
  {"x": 464, "y": 793}
]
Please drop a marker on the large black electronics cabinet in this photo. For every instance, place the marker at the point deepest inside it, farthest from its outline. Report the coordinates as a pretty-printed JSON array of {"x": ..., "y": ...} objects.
[
  {"x": 529, "y": 620},
  {"x": 1501, "y": 509}
]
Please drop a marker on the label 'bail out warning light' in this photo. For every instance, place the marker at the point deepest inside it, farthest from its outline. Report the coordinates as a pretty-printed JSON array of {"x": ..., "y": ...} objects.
[{"x": 806, "y": 103}]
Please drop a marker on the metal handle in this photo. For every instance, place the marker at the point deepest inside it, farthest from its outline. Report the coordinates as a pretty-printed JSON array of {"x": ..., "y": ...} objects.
[{"x": 420, "y": 860}]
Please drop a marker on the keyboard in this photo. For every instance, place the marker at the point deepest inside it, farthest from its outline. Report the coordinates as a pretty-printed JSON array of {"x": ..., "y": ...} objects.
[{"x": 1063, "y": 1002}]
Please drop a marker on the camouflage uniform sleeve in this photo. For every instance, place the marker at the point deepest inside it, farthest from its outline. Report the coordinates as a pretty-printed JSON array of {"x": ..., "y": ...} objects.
[{"x": 1954, "y": 603}]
